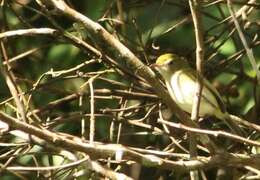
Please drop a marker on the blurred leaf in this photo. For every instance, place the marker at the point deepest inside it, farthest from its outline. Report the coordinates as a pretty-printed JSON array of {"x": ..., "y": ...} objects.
[
  {"x": 227, "y": 48},
  {"x": 62, "y": 54}
]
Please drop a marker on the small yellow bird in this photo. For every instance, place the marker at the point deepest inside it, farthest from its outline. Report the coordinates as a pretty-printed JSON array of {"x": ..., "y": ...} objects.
[{"x": 181, "y": 81}]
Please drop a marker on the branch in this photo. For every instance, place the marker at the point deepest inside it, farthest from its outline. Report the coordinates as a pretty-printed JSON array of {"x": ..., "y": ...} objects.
[
  {"x": 194, "y": 7},
  {"x": 212, "y": 133},
  {"x": 28, "y": 32}
]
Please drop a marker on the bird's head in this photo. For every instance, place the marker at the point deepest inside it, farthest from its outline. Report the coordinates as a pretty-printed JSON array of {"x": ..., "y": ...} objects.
[{"x": 169, "y": 63}]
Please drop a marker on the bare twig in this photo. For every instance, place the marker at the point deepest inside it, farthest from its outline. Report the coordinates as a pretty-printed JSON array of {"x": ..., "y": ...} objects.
[
  {"x": 195, "y": 8},
  {"x": 92, "y": 117},
  {"x": 212, "y": 133},
  {"x": 28, "y": 32},
  {"x": 9, "y": 78}
]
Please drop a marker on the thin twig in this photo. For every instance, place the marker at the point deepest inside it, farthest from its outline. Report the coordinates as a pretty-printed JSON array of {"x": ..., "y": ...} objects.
[
  {"x": 212, "y": 133},
  {"x": 9, "y": 78},
  {"x": 195, "y": 8},
  {"x": 28, "y": 32},
  {"x": 92, "y": 109}
]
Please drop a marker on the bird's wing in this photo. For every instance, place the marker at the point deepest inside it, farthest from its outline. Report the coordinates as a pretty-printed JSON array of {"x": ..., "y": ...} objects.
[
  {"x": 192, "y": 73},
  {"x": 213, "y": 90}
]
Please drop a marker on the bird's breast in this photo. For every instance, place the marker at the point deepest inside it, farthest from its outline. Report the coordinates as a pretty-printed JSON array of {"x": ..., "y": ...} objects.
[{"x": 182, "y": 88}]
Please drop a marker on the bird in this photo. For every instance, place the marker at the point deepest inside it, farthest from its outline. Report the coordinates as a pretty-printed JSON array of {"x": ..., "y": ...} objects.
[{"x": 181, "y": 79}]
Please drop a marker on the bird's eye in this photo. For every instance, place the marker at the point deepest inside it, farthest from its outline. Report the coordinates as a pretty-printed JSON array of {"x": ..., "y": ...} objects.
[{"x": 170, "y": 62}]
